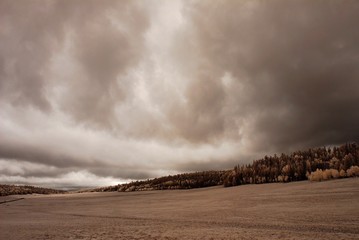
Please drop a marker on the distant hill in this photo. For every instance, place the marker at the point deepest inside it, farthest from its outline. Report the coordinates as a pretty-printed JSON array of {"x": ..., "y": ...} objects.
[
  {"x": 179, "y": 181},
  {"x": 6, "y": 190},
  {"x": 315, "y": 164}
]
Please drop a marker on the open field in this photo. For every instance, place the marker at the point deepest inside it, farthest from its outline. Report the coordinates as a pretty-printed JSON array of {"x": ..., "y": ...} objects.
[{"x": 298, "y": 210}]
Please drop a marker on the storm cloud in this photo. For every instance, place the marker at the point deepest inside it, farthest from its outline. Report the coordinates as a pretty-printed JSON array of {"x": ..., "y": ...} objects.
[{"x": 100, "y": 92}]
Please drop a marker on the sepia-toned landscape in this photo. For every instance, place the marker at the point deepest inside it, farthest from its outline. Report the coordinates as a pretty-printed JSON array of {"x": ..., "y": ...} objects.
[
  {"x": 179, "y": 119},
  {"x": 300, "y": 210}
]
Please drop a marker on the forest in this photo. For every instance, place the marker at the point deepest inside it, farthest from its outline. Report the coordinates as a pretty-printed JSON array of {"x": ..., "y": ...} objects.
[
  {"x": 315, "y": 164},
  {"x": 6, "y": 190},
  {"x": 179, "y": 181}
]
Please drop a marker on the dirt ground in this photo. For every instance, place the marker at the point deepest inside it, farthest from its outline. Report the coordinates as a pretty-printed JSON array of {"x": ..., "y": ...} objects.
[{"x": 300, "y": 210}]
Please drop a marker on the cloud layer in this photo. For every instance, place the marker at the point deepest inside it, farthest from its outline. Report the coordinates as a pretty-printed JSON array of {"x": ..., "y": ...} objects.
[{"x": 98, "y": 92}]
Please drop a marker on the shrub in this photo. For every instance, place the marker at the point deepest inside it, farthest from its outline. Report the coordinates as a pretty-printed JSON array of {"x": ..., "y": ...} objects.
[
  {"x": 335, "y": 173},
  {"x": 353, "y": 171},
  {"x": 316, "y": 176}
]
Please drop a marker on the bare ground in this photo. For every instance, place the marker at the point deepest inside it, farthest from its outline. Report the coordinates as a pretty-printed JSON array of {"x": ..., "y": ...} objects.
[{"x": 300, "y": 210}]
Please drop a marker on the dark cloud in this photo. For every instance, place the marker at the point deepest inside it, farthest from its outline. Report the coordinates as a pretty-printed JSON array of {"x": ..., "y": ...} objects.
[
  {"x": 117, "y": 90},
  {"x": 24, "y": 52},
  {"x": 105, "y": 39},
  {"x": 40, "y": 155},
  {"x": 106, "y": 44},
  {"x": 294, "y": 66},
  {"x": 200, "y": 118}
]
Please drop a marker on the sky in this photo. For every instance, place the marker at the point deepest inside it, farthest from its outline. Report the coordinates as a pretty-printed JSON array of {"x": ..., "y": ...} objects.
[{"x": 95, "y": 93}]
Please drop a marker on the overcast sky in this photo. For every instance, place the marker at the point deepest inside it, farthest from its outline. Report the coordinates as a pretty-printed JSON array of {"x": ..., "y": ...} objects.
[{"x": 94, "y": 93}]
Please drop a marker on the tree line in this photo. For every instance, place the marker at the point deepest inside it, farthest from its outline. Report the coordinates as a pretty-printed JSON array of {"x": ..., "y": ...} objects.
[
  {"x": 179, "y": 181},
  {"x": 6, "y": 190},
  {"x": 314, "y": 164}
]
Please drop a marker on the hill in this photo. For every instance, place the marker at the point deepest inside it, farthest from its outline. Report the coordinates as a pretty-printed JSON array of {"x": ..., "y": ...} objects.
[
  {"x": 315, "y": 164},
  {"x": 296, "y": 210},
  {"x": 6, "y": 190},
  {"x": 179, "y": 181}
]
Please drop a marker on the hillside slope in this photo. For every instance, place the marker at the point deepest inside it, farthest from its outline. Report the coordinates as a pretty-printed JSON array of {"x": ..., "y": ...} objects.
[{"x": 297, "y": 210}]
